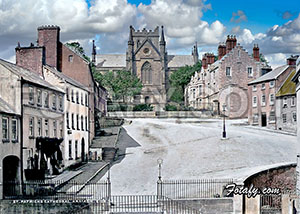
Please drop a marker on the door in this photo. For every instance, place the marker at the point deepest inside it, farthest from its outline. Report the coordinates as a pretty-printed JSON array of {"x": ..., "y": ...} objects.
[{"x": 263, "y": 119}]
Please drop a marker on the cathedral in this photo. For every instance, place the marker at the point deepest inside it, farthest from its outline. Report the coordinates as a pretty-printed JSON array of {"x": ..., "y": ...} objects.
[{"x": 148, "y": 59}]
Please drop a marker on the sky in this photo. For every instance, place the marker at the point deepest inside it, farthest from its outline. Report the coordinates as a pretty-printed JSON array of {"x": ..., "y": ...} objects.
[{"x": 273, "y": 25}]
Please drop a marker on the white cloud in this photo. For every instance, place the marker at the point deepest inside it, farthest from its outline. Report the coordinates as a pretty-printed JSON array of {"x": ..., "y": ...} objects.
[
  {"x": 238, "y": 17},
  {"x": 277, "y": 59}
]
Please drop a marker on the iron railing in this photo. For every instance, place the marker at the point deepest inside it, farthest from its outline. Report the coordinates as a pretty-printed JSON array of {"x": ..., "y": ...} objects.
[
  {"x": 180, "y": 189},
  {"x": 270, "y": 203},
  {"x": 56, "y": 190}
]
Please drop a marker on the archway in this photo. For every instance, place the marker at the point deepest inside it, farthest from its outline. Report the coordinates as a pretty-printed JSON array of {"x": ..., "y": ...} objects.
[
  {"x": 82, "y": 150},
  {"x": 11, "y": 176}
]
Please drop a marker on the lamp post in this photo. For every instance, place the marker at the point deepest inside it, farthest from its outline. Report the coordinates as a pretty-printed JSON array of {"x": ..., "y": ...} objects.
[
  {"x": 224, "y": 130},
  {"x": 159, "y": 162}
]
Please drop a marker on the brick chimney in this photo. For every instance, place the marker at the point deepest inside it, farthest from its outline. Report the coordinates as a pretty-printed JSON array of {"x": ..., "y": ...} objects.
[
  {"x": 292, "y": 60},
  {"x": 230, "y": 43},
  {"x": 48, "y": 37},
  {"x": 210, "y": 58},
  {"x": 31, "y": 58},
  {"x": 256, "y": 52},
  {"x": 204, "y": 61},
  {"x": 221, "y": 50}
]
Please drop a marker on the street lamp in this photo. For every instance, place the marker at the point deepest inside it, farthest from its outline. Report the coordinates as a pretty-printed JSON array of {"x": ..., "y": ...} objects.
[
  {"x": 159, "y": 162},
  {"x": 224, "y": 131}
]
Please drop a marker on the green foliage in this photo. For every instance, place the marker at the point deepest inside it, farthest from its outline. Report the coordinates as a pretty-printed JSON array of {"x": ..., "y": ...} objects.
[
  {"x": 263, "y": 59},
  {"x": 180, "y": 78},
  {"x": 118, "y": 107},
  {"x": 121, "y": 84},
  {"x": 79, "y": 49},
  {"x": 143, "y": 107},
  {"x": 170, "y": 107}
]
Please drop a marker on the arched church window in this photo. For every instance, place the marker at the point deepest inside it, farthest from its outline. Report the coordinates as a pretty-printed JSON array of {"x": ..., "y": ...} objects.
[{"x": 146, "y": 73}]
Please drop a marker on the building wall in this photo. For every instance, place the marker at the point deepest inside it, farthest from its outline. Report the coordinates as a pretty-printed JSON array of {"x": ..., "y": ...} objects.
[
  {"x": 290, "y": 123},
  {"x": 36, "y": 111},
  {"x": 71, "y": 106},
  {"x": 298, "y": 115},
  {"x": 260, "y": 109}
]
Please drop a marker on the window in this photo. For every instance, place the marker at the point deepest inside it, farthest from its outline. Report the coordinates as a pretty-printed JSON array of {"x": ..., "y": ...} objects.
[
  {"x": 54, "y": 128},
  {"x": 14, "y": 130},
  {"x": 67, "y": 119},
  {"x": 271, "y": 99},
  {"x": 86, "y": 124},
  {"x": 70, "y": 58},
  {"x": 255, "y": 118},
  {"x": 254, "y": 88},
  {"x": 31, "y": 95},
  {"x": 76, "y": 149},
  {"x": 31, "y": 126},
  {"x": 228, "y": 72},
  {"x": 284, "y": 102},
  {"x": 39, "y": 124},
  {"x": 82, "y": 127},
  {"x": 54, "y": 101},
  {"x": 272, "y": 84},
  {"x": 194, "y": 93},
  {"x": 72, "y": 96},
  {"x": 272, "y": 116},
  {"x": 46, "y": 128},
  {"x": 250, "y": 73},
  {"x": 5, "y": 128},
  {"x": 254, "y": 101},
  {"x": 263, "y": 86},
  {"x": 146, "y": 73},
  {"x": 284, "y": 118},
  {"x": 70, "y": 149},
  {"x": 77, "y": 97},
  {"x": 39, "y": 97},
  {"x": 81, "y": 98},
  {"x": 61, "y": 103},
  {"x": 294, "y": 116},
  {"x": 86, "y": 100},
  {"x": 67, "y": 94},
  {"x": 73, "y": 125},
  {"x": 200, "y": 89},
  {"x": 263, "y": 100},
  {"x": 293, "y": 101},
  {"x": 61, "y": 129},
  {"x": 46, "y": 103},
  {"x": 77, "y": 121}
]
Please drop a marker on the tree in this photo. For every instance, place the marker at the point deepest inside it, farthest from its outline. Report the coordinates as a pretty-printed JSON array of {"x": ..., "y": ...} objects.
[
  {"x": 180, "y": 78},
  {"x": 121, "y": 84}
]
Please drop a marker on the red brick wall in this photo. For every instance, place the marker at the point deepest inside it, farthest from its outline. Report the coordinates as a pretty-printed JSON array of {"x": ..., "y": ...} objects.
[
  {"x": 30, "y": 58},
  {"x": 281, "y": 177}
]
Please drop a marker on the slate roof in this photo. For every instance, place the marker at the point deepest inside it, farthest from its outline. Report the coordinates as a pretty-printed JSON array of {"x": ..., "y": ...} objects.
[
  {"x": 6, "y": 108},
  {"x": 288, "y": 87},
  {"x": 177, "y": 61},
  {"x": 111, "y": 60},
  {"x": 119, "y": 60},
  {"x": 66, "y": 78},
  {"x": 271, "y": 75},
  {"x": 28, "y": 75}
]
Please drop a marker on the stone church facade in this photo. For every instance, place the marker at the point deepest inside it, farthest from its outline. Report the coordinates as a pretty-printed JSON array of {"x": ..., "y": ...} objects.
[{"x": 147, "y": 58}]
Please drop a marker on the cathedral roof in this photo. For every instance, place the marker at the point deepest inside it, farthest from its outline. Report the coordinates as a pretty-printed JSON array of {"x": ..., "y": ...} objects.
[
  {"x": 111, "y": 60},
  {"x": 176, "y": 61}
]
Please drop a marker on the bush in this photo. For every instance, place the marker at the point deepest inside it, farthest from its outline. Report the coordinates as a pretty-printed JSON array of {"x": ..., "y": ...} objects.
[
  {"x": 143, "y": 107},
  {"x": 171, "y": 107}
]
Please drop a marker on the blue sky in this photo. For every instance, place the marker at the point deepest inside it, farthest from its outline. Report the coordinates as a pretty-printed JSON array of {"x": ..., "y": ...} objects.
[{"x": 274, "y": 25}]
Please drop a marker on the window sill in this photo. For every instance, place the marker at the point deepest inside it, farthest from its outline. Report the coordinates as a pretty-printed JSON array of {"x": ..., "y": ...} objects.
[
  {"x": 31, "y": 137},
  {"x": 5, "y": 140},
  {"x": 272, "y": 122},
  {"x": 14, "y": 141},
  {"x": 70, "y": 158}
]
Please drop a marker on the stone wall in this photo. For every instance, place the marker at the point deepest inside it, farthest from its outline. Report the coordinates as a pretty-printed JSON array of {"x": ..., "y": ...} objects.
[{"x": 166, "y": 114}]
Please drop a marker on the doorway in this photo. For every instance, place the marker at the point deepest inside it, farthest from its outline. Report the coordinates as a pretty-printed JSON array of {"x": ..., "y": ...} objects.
[
  {"x": 82, "y": 150},
  {"x": 263, "y": 119}
]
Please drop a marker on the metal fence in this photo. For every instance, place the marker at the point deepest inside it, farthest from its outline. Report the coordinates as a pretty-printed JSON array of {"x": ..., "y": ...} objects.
[
  {"x": 270, "y": 204},
  {"x": 205, "y": 188},
  {"x": 56, "y": 190},
  {"x": 138, "y": 204}
]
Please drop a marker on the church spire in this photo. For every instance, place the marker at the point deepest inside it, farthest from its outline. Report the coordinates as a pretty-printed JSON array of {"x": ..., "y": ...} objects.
[
  {"x": 94, "y": 52},
  {"x": 162, "y": 38},
  {"x": 130, "y": 41},
  {"x": 195, "y": 53}
]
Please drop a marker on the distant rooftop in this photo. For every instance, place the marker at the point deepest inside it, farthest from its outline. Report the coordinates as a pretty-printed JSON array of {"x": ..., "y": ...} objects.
[
  {"x": 177, "y": 61},
  {"x": 111, "y": 60},
  {"x": 272, "y": 75},
  {"x": 288, "y": 87}
]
